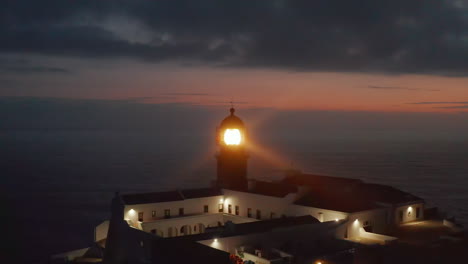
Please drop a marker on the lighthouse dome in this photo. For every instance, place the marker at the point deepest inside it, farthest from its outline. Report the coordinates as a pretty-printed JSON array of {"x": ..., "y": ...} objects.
[{"x": 232, "y": 121}]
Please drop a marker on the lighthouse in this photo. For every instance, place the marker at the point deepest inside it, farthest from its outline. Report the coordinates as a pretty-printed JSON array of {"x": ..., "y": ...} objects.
[{"x": 232, "y": 155}]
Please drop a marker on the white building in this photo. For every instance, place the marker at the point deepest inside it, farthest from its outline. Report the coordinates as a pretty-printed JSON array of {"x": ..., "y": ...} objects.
[{"x": 228, "y": 218}]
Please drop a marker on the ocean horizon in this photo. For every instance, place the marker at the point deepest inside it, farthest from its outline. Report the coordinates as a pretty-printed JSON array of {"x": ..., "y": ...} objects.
[{"x": 58, "y": 184}]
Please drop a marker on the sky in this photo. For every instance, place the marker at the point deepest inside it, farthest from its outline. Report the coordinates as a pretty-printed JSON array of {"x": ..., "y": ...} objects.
[{"x": 389, "y": 56}]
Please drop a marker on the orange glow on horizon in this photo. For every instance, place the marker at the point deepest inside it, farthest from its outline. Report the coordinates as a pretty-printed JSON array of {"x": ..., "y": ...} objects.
[{"x": 266, "y": 88}]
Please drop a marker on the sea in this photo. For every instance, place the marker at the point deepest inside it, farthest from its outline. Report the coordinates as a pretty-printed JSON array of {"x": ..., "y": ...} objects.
[{"x": 56, "y": 185}]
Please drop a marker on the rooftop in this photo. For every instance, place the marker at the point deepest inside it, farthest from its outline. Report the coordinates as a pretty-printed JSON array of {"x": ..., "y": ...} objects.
[
  {"x": 168, "y": 251},
  {"x": 272, "y": 189},
  {"x": 299, "y": 178},
  {"x": 386, "y": 194},
  {"x": 169, "y": 196},
  {"x": 346, "y": 194},
  {"x": 347, "y": 202}
]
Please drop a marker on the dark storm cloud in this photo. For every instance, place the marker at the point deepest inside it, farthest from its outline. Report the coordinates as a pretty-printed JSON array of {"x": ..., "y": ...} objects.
[{"x": 399, "y": 36}]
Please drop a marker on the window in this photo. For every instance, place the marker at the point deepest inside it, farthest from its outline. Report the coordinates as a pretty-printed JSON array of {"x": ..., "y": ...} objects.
[
  {"x": 153, "y": 214},
  {"x": 140, "y": 216},
  {"x": 167, "y": 213},
  {"x": 259, "y": 214},
  {"x": 205, "y": 208},
  {"x": 417, "y": 212},
  {"x": 230, "y": 209},
  {"x": 181, "y": 211},
  {"x": 272, "y": 215},
  {"x": 249, "y": 212},
  {"x": 220, "y": 207},
  {"x": 401, "y": 215},
  {"x": 237, "y": 210}
]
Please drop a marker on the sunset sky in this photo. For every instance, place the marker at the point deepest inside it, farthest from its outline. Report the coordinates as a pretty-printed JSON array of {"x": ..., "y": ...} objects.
[{"x": 384, "y": 56}]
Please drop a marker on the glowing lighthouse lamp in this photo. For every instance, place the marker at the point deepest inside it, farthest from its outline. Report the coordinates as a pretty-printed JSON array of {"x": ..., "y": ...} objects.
[
  {"x": 232, "y": 136},
  {"x": 231, "y": 132}
]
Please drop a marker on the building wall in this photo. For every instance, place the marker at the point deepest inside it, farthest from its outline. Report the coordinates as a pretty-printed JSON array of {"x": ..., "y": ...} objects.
[
  {"x": 255, "y": 259},
  {"x": 138, "y": 246},
  {"x": 191, "y": 207},
  {"x": 100, "y": 231},
  {"x": 323, "y": 215},
  {"x": 192, "y": 224},
  {"x": 384, "y": 240},
  {"x": 266, "y": 204},
  {"x": 197, "y": 220},
  {"x": 377, "y": 218},
  {"x": 299, "y": 235},
  {"x": 408, "y": 213}
]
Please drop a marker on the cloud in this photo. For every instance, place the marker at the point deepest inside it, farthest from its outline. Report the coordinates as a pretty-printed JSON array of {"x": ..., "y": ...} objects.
[
  {"x": 27, "y": 66},
  {"x": 391, "y": 36},
  {"x": 436, "y": 103},
  {"x": 447, "y": 105},
  {"x": 400, "y": 88},
  {"x": 34, "y": 69},
  {"x": 453, "y": 107},
  {"x": 188, "y": 94}
]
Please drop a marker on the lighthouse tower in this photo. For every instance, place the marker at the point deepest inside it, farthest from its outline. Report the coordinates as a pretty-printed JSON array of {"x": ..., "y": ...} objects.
[{"x": 232, "y": 156}]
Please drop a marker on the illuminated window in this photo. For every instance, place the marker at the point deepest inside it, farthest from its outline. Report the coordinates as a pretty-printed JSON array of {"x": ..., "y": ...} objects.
[
  {"x": 205, "y": 208},
  {"x": 153, "y": 214},
  {"x": 140, "y": 216},
  {"x": 249, "y": 212},
  {"x": 220, "y": 207},
  {"x": 237, "y": 210}
]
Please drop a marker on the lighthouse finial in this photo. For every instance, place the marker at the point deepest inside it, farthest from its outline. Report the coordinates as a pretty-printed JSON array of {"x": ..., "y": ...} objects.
[{"x": 232, "y": 110}]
